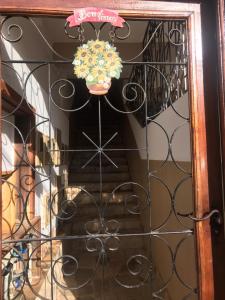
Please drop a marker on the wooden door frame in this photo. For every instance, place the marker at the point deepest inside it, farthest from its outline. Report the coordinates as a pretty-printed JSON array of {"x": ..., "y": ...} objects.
[
  {"x": 221, "y": 65},
  {"x": 144, "y": 9}
]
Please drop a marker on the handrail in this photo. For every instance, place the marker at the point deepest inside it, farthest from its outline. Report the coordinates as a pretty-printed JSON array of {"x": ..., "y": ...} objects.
[{"x": 166, "y": 82}]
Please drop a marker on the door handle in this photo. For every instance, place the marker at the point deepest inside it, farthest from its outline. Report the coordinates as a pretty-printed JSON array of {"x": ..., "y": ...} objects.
[
  {"x": 204, "y": 218},
  {"x": 214, "y": 215}
]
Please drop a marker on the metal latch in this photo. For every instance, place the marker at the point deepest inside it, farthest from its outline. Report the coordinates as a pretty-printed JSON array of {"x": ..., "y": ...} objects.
[{"x": 215, "y": 217}]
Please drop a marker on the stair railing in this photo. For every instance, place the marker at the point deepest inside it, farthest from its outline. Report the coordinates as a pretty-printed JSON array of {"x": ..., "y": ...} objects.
[{"x": 163, "y": 73}]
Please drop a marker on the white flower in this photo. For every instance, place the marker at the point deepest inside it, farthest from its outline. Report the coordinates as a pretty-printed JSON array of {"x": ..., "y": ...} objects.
[
  {"x": 112, "y": 74},
  {"x": 108, "y": 46},
  {"x": 85, "y": 46},
  {"x": 101, "y": 62},
  {"x": 76, "y": 62},
  {"x": 90, "y": 77}
]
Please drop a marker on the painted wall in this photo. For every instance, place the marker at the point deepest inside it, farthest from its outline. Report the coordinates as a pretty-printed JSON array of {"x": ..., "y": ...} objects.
[
  {"x": 162, "y": 129},
  {"x": 35, "y": 89},
  {"x": 8, "y": 143},
  {"x": 166, "y": 178},
  {"x": 32, "y": 82}
]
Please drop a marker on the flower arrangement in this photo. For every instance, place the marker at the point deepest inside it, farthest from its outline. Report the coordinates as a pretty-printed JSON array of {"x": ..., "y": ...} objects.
[{"x": 97, "y": 62}]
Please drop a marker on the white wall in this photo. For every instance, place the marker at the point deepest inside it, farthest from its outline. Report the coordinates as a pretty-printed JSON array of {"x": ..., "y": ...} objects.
[
  {"x": 8, "y": 143},
  {"x": 158, "y": 142},
  {"x": 34, "y": 87},
  {"x": 35, "y": 90}
]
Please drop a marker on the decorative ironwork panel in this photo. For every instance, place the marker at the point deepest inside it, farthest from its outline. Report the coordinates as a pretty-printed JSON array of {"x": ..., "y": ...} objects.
[
  {"x": 167, "y": 82},
  {"x": 96, "y": 206}
]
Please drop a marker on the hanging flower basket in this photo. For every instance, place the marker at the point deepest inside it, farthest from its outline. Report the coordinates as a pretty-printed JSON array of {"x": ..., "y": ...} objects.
[{"x": 97, "y": 62}]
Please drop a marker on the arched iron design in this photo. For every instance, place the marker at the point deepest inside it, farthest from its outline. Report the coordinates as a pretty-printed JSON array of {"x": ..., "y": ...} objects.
[{"x": 77, "y": 225}]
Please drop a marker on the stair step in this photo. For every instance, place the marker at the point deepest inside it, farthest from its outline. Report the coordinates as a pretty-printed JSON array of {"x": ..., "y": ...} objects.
[
  {"x": 133, "y": 244},
  {"x": 80, "y": 161},
  {"x": 81, "y": 142},
  {"x": 89, "y": 154},
  {"x": 95, "y": 129},
  {"x": 82, "y": 138},
  {"x": 126, "y": 224},
  {"x": 88, "y": 145},
  {"x": 119, "y": 258},
  {"x": 106, "y": 186},
  {"x": 124, "y": 243},
  {"x": 111, "y": 210},
  {"x": 96, "y": 169},
  {"x": 83, "y": 198},
  {"x": 105, "y": 132},
  {"x": 107, "y": 177}
]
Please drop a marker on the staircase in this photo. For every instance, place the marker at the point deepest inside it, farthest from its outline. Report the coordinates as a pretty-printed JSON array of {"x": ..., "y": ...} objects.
[
  {"x": 93, "y": 208},
  {"x": 112, "y": 206}
]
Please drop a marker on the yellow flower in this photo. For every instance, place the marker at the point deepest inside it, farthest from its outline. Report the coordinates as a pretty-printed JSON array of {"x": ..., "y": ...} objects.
[
  {"x": 98, "y": 71},
  {"x": 90, "y": 60},
  {"x": 81, "y": 71},
  {"x": 114, "y": 65},
  {"x": 103, "y": 78},
  {"x": 81, "y": 54},
  {"x": 97, "y": 61},
  {"x": 96, "y": 46},
  {"x": 110, "y": 56}
]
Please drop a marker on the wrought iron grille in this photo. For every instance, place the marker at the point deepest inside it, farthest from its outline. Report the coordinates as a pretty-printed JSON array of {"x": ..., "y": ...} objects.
[
  {"x": 103, "y": 238},
  {"x": 169, "y": 83}
]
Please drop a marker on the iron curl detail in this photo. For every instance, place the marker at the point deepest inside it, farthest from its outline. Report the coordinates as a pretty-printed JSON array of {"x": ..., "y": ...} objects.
[
  {"x": 114, "y": 32},
  {"x": 130, "y": 94},
  {"x": 68, "y": 266},
  {"x": 132, "y": 202},
  {"x": 11, "y": 27},
  {"x": 178, "y": 40},
  {"x": 109, "y": 241},
  {"x": 69, "y": 201},
  {"x": 138, "y": 266},
  {"x": 79, "y": 30},
  {"x": 62, "y": 84}
]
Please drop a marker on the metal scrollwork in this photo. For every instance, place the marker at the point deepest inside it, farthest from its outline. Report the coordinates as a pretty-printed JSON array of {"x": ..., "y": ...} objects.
[
  {"x": 16, "y": 28},
  {"x": 78, "y": 32},
  {"x": 109, "y": 225},
  {"x": 134, "y": 89},
  {"x": 114, "y": 33},
  {"x": 138, "y": 266}
]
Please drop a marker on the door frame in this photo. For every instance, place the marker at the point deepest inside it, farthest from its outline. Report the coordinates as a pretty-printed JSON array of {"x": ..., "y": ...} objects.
[
  {"x": 144, "y": 9},
  {"x": 221, "y": 64}
]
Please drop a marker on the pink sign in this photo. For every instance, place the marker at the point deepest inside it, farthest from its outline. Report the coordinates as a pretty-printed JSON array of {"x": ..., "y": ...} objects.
[{"x": 94, "y": 14}]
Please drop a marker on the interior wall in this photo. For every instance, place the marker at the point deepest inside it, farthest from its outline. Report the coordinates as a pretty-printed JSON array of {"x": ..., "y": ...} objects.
[
  {"x": 161, "y": 130},
  {"x": 164, "y": 179},
  {"x": 31, "y": 82},
  {"x": 35, "y": 90},
  {"x": 8, "y": 144},
  {"x": 210, "y": 10}
]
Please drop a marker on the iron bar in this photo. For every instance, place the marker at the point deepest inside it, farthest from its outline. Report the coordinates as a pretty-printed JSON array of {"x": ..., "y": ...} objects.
[{"x": 103, "y": 235}]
